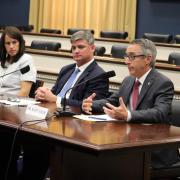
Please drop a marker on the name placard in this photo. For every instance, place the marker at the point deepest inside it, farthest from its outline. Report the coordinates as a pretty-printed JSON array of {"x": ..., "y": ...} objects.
[{"x": 35, "y": 110}]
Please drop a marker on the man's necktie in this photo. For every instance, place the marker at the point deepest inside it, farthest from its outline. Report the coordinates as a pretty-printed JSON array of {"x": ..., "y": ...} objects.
[
  {"x": 135, "y": 94},
  {"x": 69, "y": 83}
]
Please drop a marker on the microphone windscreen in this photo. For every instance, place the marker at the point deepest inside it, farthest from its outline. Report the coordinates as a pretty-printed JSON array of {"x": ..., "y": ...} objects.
[
  {"x": 108, "y": 74},
  {"x": 25, "y": 69}
]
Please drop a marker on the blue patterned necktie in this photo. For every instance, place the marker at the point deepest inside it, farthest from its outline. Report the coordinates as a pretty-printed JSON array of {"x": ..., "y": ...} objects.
[{"x": 69, "y": 83}]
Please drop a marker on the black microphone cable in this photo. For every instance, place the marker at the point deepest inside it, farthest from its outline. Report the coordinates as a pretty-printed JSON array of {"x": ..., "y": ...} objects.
[{"x": 15, "y": 135}]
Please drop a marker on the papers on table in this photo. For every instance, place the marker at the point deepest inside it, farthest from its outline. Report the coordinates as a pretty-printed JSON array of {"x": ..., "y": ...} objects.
[
  {"x": 18, "y": 102},
  {"x": 103, "y": 117}
]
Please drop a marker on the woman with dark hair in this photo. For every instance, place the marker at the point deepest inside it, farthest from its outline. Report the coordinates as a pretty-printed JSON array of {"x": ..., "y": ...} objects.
[{"x": 12, "y": 58}]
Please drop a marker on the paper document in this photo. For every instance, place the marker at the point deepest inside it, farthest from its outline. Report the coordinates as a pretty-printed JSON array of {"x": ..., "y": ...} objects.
[
  {"x": 103, "y": 117},
  {"x": 18, "y": 102}
]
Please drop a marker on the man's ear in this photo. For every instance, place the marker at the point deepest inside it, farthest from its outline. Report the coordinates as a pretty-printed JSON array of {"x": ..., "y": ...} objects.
[
  {"x": 93, "y": 47},
  {"x": 148, "y": 59}
]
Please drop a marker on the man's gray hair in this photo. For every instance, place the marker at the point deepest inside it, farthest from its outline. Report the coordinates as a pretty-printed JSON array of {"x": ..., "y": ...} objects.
[
  {"x": 148, "y": 48},
  {"x": 84, "y": 35}
]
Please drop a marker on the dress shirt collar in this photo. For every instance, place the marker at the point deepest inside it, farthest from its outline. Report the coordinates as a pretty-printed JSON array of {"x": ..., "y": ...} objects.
[
  {"x": 83, "y": 67},
  {"x": 142, "y": 78}
]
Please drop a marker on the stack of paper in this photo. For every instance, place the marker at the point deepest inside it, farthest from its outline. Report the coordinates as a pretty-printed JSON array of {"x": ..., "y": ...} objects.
[
  {"x": 18, "y": 102},
  {"x": 103, "y": 117}
]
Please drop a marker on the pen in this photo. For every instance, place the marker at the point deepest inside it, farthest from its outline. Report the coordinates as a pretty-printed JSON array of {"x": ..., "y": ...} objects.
[{"x": 93, "y": 117}]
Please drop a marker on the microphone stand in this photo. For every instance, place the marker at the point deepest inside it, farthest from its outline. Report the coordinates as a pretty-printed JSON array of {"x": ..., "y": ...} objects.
[
  {"x": 9, "y": 73},
  {"x": 63, "y": 112},
  {"x": 22, "y": 70},
  {"x": 64, "y": 100}
]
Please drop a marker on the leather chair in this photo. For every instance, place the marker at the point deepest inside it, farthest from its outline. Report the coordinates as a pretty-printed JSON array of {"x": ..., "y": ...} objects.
[
  {"x": 45, "y": 45},
  {"x": 28, "y": 28},
  {"x": 2, "y": 27},
  {"x": 118, "y": 51},
  {"x": 113, "y": 34},
  {"x": 174, "y": 170},
  {"x": 164, "y": 173},
  {"x": 177, "y": 39},
  {"x": 174, "y": 58},
  {"x": 34, "y": 87},
  {"x": 161, "y": 38},
  {"x": 46, "y": 30},
  {"x": 71, "y": 31},
  {"x": 175, "y": 117},
  {"x": 100, "y": 51}
]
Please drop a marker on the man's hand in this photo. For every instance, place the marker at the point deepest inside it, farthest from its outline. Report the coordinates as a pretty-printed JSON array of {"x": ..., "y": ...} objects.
[
  {"x": 44, "y": 94},
  {"x": 87, "y": 104},
  {"x": 119, "y": 112}
]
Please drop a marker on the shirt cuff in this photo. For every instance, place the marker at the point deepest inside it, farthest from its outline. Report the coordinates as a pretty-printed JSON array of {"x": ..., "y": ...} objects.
[
  {"x": 58, "y": 102},
  {"x": 129, "y": 116}
]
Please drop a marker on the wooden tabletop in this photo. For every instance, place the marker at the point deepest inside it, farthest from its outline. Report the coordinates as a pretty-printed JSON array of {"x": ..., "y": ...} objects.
[{"x": 93, "y": 135}]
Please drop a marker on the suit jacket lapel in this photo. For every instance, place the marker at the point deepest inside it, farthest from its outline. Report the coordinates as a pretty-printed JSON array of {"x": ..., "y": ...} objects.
[
  {"x": 85, "y": 73},
  {"x": 127, "y": 95},
  {"x": 64, "y": 79}
]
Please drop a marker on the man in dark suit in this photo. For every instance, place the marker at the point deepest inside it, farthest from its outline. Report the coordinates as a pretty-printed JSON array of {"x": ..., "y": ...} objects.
[
  {"x": 36, "y": 154},
  {"x": 83, "y": 53},
  {"x": 144, "y": 97}
]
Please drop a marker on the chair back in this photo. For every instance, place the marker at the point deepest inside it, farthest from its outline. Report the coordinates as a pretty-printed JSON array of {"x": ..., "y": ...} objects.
[
  {"x": 161, "y": 38},
  {"x": 71, "y": 31},
  {"x": 174, "y": 58},
  {"x": 118, "y": 51},
  {"x": 177, "y": 39},
  {"x": 28, "y": 28},
  {"x": 173, "y": 170},
  {"x": 175, "y": 109},
  {"x": 113, "y": 34},
  {"x": 100, "y": 51},
  {"x": 2, "y": 27},
  {"x": 34, "y": 87},
  {"x": 45, "y": 45},
  {"x": 46, "y": 30}
]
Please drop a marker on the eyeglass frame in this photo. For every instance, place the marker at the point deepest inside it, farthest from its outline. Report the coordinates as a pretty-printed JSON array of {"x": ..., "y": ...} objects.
[{"x": 132, "y": 57}]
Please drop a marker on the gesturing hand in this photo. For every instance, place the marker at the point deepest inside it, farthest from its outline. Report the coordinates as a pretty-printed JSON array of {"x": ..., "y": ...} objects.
[
  {"x": 87, "y": 104},
  {"x": 119, "y": 112}
]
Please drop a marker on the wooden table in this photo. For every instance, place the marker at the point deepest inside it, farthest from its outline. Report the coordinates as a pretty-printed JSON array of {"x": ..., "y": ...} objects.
[{"x": 93, "y": 150}]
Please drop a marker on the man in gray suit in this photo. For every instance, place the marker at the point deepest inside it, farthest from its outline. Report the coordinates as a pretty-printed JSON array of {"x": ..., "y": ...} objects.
[{"x": 144, "y": 97}]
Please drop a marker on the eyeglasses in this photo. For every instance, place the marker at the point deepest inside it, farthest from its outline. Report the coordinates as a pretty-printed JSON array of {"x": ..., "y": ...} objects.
[{"x": 132, "y": 57}]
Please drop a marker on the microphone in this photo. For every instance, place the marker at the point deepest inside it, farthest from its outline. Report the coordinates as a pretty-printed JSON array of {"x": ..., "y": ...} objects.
[
  {"x": 63, "y": 112},
  {"x": 22, "y": 70}
]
